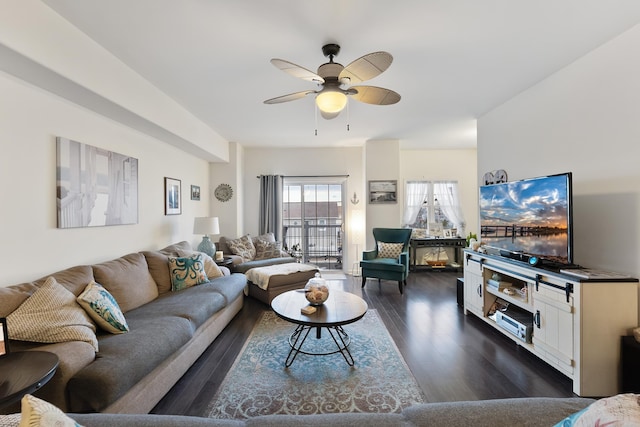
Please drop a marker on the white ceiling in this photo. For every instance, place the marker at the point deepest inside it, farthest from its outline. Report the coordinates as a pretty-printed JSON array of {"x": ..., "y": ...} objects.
[{"x": 454, "y": 60}]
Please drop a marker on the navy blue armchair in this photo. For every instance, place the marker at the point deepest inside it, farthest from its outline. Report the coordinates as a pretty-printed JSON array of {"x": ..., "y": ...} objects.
[{"x": 390, "y": 258}]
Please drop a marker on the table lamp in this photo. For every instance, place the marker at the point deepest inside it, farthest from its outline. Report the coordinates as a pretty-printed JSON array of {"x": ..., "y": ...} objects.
[{"x": 206, "y": 226}]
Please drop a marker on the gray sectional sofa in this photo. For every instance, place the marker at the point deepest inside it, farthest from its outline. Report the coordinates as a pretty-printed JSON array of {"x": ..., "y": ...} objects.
[
  {"x": 532, "y": 412},
  {"x": 169, "y": 330},
  {"x": 240, "y": 265}
]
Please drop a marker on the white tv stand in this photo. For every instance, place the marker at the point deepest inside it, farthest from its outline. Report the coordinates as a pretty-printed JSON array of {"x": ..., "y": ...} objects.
[{"x": 577, "y": 323}]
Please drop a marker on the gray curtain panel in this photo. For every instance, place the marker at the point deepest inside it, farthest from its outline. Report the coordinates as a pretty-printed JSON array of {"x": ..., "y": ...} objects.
[{"x": 271, "y": 205}]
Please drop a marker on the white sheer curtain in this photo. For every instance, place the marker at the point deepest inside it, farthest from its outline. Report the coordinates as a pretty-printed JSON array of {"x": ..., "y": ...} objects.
[
  {"x": 416, "y": 193},
  {"x": 447, "y": 195}
]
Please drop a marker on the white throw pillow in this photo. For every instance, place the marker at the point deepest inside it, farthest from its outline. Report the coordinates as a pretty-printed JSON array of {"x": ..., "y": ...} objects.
[
  {"x": 51, "y": 315},
  {"x": 38, "y": 413}
]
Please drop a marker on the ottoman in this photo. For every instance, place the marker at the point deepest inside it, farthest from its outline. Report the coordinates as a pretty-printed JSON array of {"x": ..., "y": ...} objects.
[{"x": 265, "y": 283}]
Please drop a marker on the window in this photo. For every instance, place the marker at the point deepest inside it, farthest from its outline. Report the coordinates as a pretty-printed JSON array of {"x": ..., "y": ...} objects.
[{"x": 433, "y": 206}]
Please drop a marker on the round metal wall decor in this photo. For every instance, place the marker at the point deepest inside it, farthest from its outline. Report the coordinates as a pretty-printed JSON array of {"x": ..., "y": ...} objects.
[{"x": 223, "y": 192}]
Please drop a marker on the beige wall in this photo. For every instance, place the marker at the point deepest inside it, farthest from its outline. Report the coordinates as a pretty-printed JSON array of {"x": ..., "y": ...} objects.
[
  {"x": 32, "y": 245},
  {"x": 582, "y": 119},
  {"x": 457, "y": 165}
]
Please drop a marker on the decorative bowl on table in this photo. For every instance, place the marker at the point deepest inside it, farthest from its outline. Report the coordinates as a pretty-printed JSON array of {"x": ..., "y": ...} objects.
[{"x": 316, "y": 290}]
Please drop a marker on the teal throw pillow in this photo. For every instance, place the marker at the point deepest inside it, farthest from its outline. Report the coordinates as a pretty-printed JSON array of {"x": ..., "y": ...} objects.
[
  {"x": 103, "y": 308},
  {"x": 186, "y": 272}
]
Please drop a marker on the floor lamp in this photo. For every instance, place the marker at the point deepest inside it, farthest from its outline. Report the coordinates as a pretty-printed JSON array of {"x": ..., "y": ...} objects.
[{"x": 357, "y": 231}]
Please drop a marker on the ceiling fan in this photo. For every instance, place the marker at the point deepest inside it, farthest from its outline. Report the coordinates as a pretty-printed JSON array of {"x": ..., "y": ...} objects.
[{"x": 333, "y": 78}]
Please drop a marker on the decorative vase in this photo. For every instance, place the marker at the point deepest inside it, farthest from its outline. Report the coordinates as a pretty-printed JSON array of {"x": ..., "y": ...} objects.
[
  {"x": 207, "y": 246},
  {"x": 316, "y": 290}
]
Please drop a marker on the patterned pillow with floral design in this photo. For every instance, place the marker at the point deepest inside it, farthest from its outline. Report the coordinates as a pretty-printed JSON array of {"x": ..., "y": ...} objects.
[
  {"x": 186, "y": 272},
  {"x": 243, "y": 247}
]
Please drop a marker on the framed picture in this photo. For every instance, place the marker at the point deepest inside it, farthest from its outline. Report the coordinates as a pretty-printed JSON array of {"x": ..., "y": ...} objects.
[
  {"x": 447, "y": 233},
  {"x": 435, "y": 229},
  {"x": 94, "y": 187},
  {"x": 172, "y": 196},
  {"x": 383, "y": 192},
  {"x": 195, "y": 192},
  {"x": 4, "y": 337}
]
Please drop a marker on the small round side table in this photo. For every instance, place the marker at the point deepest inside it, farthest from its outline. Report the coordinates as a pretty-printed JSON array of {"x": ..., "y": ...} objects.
[
  {"x": 226, "y": 261},
  {"x": 24, "y": 372}
]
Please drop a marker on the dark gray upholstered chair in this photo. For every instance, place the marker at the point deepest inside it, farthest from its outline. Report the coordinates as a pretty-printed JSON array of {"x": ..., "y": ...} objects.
[{"x": 380, "y": 263}]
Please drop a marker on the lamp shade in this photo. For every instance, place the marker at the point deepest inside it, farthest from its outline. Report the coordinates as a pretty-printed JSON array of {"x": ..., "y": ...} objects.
[
  {"x": 206, "y": 225},
  {"x": 331, "y": 102}
]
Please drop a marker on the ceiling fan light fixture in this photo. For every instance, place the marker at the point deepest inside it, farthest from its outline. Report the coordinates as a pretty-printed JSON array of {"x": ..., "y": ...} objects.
[{"x": 331, "y": 101}]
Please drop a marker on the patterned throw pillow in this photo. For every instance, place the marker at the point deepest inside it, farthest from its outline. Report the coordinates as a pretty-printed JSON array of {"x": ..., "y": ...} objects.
[
  {"x": 211, "y": 269},
  {"x": 243, "y": 247},
  {"x": 103, "y": 308},
  {"x": 51, "y": 315},
  {"x": 618, "y": 410},
  {"x": 389, "y": 250},
  {"x": 38, "y": 413},
  {"x": 265, "y": 250},
  {"x": 186, "y": 272}
]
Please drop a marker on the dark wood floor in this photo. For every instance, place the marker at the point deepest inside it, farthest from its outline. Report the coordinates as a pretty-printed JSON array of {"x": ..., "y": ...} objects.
[{"x": 453, "y": 357}]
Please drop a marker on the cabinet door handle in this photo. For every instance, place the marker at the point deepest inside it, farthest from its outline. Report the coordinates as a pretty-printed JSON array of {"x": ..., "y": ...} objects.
[
  {"x": 479, "y": 290},
  {"x": 536, "y": 318}
]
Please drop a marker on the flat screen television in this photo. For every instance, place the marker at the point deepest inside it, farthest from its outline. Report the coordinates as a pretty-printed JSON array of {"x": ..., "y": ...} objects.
[{"x": 530, "y": 220}]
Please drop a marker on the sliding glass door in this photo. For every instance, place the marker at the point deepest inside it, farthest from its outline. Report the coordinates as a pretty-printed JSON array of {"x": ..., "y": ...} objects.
[{"x": 313, "y": 220}]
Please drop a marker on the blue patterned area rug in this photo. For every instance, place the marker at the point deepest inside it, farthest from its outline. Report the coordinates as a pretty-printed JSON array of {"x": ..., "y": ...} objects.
[{"x": 259, "y": 384}]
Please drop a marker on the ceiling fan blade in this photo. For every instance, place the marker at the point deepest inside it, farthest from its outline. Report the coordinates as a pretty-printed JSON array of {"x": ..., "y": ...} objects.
[
  {"x": 297, "y": 71},
  {"x": 375, "y": 95},
  {"x": 366, "y": 67},
  {"x": 289, "y": 97}
]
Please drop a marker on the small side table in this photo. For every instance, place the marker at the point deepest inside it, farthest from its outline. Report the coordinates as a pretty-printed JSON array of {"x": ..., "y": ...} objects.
[
  {"x": 226, "y": 261},
  {"x": 24, "y": 372},
  {"x": 630, "y": 358}
]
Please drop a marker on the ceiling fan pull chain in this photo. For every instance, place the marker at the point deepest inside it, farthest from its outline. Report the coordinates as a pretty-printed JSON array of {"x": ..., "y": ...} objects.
[
  {"x": 316, "y": 117},
  {"x": 348, "y": 116}
]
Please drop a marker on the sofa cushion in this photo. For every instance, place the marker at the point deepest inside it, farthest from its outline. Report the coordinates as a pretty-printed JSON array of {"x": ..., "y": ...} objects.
[
  {"x": 74, "y": 279},
  {"x": 533, "y": 411},
  {"x": 230, "y": 287},
  {"x": 186, "y": 272},
  {"x": 128, "y": 279},
  {"x": 389, "y": 250},
  {"x": 38, "y": 413},
  {"x": 158, "y": 264},
  {"x": 384, "y": 264},
  {"x": 12, "y": 296},
  {"x": 124, "y": 359},
  {"x": 50, "y": 315},
  {"x": 103, "y": 308},
  {"x": 175, "y": 248},
  {"x": 266, "y": 250},
  {"x": 243, "y": 247}
]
